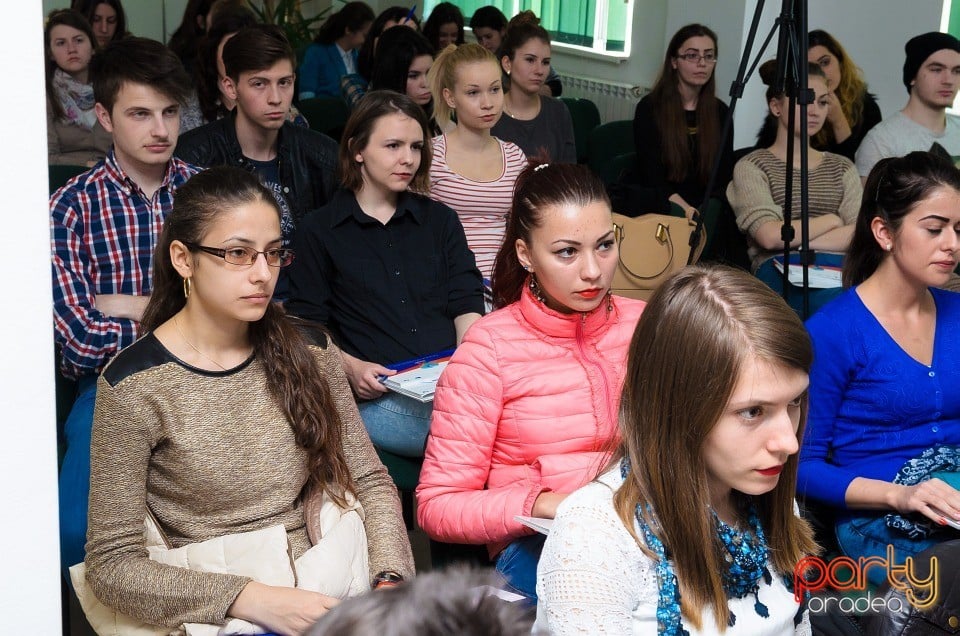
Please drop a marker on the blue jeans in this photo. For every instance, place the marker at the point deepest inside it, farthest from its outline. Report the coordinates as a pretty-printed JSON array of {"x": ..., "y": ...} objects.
[
  {"x": 518, "y": 565},
  {"x": 397, "y": 424},
  {"x": 769, "y": 274},
  {"x": 75, "y": 475},
  {"x": 869, "y": 535}
]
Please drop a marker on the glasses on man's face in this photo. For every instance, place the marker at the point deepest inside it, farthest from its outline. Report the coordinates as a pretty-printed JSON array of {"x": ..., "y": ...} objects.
[
  {"x": 247, "y": 256},
  {"x": 694, "y": 58}
]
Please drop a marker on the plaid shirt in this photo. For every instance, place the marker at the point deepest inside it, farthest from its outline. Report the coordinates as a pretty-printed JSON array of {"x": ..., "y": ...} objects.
[{"x": 103, "y": 231}]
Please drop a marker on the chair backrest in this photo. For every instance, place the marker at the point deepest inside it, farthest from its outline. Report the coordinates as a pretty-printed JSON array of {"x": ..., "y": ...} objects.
[
  {"x": 58, "y": 175},
  {"x": 609, "y": 140},
  {"x": 611, "y": 170},
  {"x": 586, "y": 117},
  {"x": 325, "y": 114}
]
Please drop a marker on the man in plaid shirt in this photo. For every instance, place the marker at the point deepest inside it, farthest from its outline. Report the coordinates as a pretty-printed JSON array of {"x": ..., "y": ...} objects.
[{"x": 104, "y": 226}]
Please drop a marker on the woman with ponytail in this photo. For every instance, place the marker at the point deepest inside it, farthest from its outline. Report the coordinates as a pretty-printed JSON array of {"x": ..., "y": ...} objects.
[
  {"x": 472, "y": 171},
  {"x": 526, "y": 410},
  {"x": 539, "y": 124},
  {"x": 884, "y": 434},
  {"x": 334, "y": 52},
  {"x": 226, "y": 417}
]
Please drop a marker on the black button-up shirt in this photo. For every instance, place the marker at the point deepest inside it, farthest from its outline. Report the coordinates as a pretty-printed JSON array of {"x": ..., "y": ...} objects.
[{"x": 389, "y": 292}]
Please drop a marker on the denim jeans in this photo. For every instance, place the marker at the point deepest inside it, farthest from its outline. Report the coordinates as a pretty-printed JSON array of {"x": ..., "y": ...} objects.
[
  {"x": 869, "y": 535},
  {"x": 518, "y": 565},
  {"x": 75, "y": 475},
  {"x": 397, "y": 424},
  {"x": 769, "y": 274}
]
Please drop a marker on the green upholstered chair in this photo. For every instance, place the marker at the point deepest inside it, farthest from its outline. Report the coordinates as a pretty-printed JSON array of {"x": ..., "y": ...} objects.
[
  {"x": 586, "y": 117},
  {"x": 405, "y": 472},
  {"x": 325, "y": 114},
  {"x": 610, "y": 170},
  {"x": 608, "y": 141}
]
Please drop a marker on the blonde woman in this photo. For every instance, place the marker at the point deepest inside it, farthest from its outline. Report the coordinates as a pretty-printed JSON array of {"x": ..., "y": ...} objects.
[{"x": 473, "y": 172}]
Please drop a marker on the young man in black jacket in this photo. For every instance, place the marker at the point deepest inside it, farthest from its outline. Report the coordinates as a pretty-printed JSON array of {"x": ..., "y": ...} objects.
[{"x": 297, "y": 163}]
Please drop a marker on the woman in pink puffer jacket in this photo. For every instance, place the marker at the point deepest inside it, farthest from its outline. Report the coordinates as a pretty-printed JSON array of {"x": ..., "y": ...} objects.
[{"x": 526, "y": 411}]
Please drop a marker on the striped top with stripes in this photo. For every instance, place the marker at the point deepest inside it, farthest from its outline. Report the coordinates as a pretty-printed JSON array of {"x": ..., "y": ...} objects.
[{"x": 481, "y": 205}]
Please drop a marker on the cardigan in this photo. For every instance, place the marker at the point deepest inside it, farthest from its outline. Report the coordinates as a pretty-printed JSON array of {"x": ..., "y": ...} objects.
[
  {"x": 872, "y": 406},
  {"x": 210, "y": 453}
]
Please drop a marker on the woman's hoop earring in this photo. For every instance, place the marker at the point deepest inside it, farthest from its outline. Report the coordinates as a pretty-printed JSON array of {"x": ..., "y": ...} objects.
[{"x": 187, "y": 286}]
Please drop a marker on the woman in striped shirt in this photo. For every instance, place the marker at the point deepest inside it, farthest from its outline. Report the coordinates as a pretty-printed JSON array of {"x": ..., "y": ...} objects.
[{"x": 472, "y": 171}]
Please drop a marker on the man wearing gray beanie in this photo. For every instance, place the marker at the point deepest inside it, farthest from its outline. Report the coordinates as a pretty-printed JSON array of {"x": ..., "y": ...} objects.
[{"x": 931, "y": 75}]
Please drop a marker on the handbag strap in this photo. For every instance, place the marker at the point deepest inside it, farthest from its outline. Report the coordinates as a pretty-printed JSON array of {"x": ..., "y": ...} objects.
[{"x": 662, "y": 235}]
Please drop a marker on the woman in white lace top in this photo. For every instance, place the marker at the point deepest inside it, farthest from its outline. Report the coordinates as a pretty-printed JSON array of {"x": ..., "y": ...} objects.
[{"x": 715, "y": 528}]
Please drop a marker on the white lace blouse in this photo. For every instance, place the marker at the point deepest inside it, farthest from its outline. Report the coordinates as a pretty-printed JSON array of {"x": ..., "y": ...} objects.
[{"x": 594, "y": 579}]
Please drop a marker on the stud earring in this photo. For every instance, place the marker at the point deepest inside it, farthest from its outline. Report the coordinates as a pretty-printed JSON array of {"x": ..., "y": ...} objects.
[{"x": 889, "y": 247}]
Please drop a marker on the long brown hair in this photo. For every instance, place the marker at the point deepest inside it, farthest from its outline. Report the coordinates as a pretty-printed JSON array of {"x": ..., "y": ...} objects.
[
  {"x": 293, "y": 378},
  {"x": 538, "y": 187},
  {"x": 852, "y": 90},
  {"x": 671, "y": 120},
  {"x": 693, "y": 338}
]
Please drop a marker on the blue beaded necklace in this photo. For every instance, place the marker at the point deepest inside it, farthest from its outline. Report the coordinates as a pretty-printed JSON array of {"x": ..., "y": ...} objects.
[{"x": 744, "y": 552}]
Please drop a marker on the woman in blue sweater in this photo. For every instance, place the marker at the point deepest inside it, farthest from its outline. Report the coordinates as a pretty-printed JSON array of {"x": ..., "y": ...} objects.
[
  {"x": 884, "y": 409},
  {"x": 333, "y": 53}
]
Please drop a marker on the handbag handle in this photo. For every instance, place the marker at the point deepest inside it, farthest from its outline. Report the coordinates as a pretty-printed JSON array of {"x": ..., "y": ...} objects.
[{"x": 663, "y": 237}]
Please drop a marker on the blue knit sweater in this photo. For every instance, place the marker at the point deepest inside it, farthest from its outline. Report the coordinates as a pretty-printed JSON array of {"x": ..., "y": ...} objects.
[{"x": 872, "y": 406}]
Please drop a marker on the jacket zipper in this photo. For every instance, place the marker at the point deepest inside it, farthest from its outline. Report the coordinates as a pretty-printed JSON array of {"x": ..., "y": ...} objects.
[{"x": 585, "y": 355}]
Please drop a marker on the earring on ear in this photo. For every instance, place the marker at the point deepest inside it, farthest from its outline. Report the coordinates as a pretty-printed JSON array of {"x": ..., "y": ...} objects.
[
  {"x": 888, "y": 246},
  {"x": 187, "y": 287}
]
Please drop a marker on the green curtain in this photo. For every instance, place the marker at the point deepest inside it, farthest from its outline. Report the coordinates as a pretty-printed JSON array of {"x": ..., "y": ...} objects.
[{"x": 953, "y": 27}]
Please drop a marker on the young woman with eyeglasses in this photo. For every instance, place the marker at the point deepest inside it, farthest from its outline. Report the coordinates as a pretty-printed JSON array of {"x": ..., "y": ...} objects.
[
  {"x": 676, "y": 128},
  {"x": 226, "y": 417}
]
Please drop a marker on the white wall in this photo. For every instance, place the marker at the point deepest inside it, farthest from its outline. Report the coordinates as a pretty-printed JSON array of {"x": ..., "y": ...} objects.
[{"x": 30, "y": 581}]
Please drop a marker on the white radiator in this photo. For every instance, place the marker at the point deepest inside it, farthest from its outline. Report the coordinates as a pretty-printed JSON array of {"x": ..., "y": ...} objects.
[{"x": 614, "y": 99}]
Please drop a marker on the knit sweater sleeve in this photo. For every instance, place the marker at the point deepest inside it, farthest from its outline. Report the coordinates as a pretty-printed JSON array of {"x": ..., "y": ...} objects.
[
  {"x": 852, "y": 193},
  {"x": 751, "y": 198},
  {"x": 834, "y": 362},
  {"x": 388, "y": 545},
  {"x": 126, "y": 429}
]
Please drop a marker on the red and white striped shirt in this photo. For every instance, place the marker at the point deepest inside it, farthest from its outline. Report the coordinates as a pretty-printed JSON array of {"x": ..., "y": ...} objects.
[{"x": 481, "y": 205}]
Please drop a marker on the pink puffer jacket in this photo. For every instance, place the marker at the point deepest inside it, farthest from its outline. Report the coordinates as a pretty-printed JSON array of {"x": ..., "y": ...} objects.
[{"x": 528, "y": 403}]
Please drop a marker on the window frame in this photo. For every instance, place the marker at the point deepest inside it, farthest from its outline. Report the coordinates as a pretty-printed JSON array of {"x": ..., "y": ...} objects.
[{"x": 601, "y": 15}]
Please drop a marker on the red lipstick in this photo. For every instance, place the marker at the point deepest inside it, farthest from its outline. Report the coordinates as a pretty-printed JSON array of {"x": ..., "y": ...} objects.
[
  {"x": 590, "y": 293},
  {"x": 770, "y": 472}
]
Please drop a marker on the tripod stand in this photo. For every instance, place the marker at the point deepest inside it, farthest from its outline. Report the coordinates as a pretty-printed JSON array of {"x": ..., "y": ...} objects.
[{"x": 791, "y": 80}]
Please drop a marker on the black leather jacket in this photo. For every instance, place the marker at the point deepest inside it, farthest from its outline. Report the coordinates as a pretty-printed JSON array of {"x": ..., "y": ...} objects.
[
  {"x": 943, "y": 618},
  {"x": 307, "y": 166}
]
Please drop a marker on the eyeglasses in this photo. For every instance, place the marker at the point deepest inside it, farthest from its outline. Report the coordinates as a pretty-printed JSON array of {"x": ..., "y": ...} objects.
[
  {"x": 247, "y": 256},
  {"x": 694, "y": 58}
]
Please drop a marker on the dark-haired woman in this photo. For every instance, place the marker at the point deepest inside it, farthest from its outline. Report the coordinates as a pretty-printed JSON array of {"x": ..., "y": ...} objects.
[
  {"x": 885, "y": 415},
  {"x": 226, "y": 418},
  {"x": 540, "y": 125},
  {"x": 526, "y": 411},
  {"x": 757, "y": 192},
  {"x": 388, "y": 271},
  {"x": 353, "y": 86},
  {"x": 107, "y": 18},
  {"x": 404, "y": 57},
  {"x": 444, "y": 26},
  {"x": 186, "y": 40},
  {"x": 334, "y": 51},
  {"x": 489, "y": 25},
  {"x": 692, "y": 530},
  {"x": 74, "y": 136},
  {"x": 676, "y": 128}
]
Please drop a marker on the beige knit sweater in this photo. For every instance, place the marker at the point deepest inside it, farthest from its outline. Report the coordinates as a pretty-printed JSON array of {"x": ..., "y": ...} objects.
[
  {"x": 210, "y": 454},
  {"x": 758, "y": 192}
]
